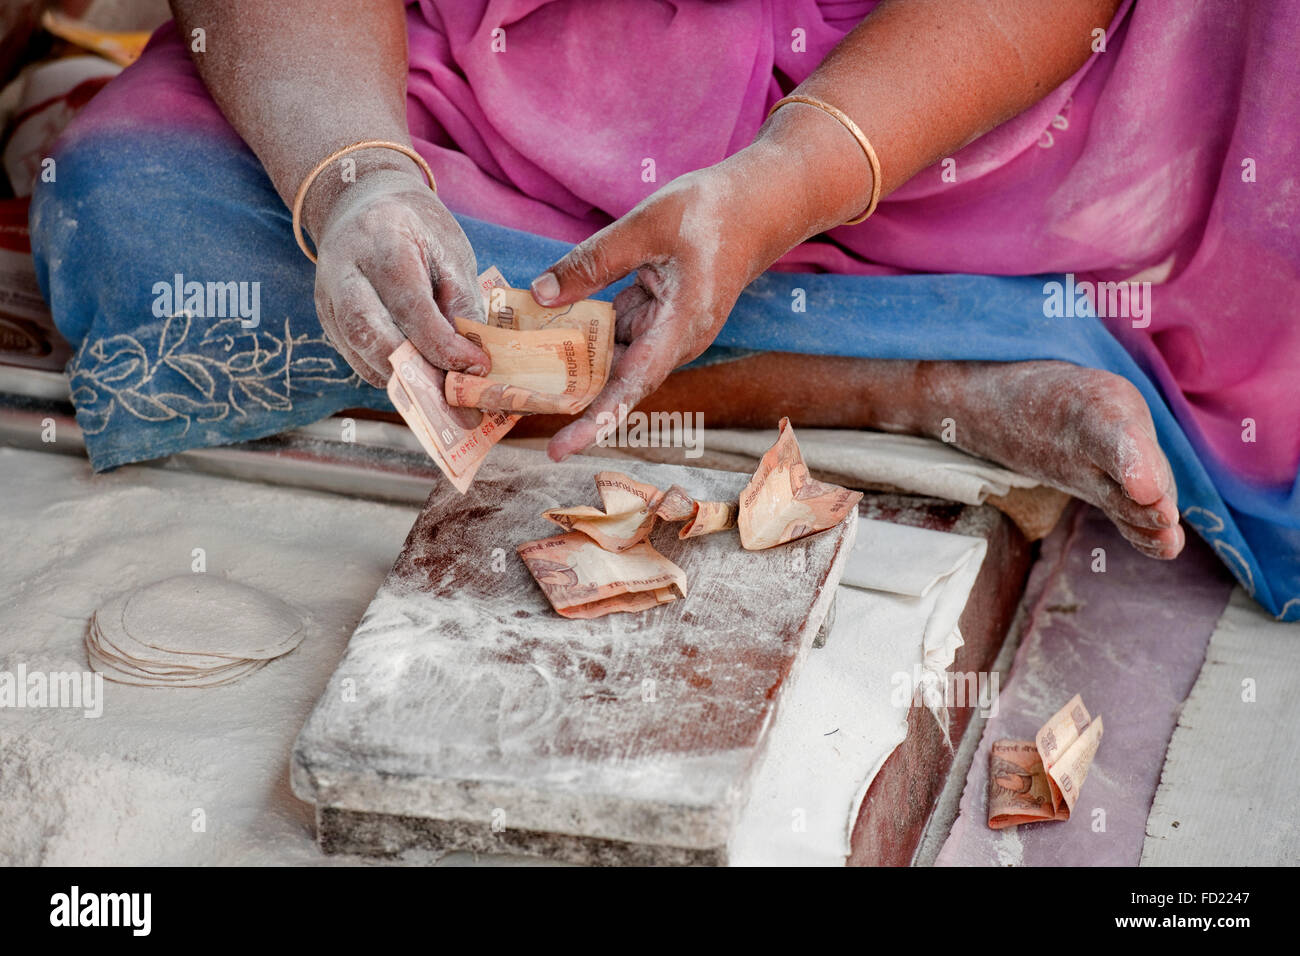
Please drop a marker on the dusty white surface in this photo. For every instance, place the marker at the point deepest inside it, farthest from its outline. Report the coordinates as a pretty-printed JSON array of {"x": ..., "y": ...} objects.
[
  {"x": 200, "y": 776},
  {"x": 463, "y": 694},
  {"x": 1227, "y": 791},
  {"x": 132, "y": 786}
]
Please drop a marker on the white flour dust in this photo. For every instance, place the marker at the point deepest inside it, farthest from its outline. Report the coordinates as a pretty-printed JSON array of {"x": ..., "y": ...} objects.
[{"x": 168, "y": 775}]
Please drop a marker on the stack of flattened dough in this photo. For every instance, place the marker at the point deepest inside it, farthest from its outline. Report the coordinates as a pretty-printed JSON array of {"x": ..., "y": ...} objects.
[{"x": 193, "y": 630}]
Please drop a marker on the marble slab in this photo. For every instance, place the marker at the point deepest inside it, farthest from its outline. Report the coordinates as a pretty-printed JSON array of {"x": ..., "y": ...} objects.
[{"x": 467, "y": 714}]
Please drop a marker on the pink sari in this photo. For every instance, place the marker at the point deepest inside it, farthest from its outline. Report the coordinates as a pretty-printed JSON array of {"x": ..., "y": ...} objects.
[{"x": 1167, "y": 158}]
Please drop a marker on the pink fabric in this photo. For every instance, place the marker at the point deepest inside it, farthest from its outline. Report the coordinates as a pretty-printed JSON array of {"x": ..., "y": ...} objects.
[{"x": 1135, "y": 163}]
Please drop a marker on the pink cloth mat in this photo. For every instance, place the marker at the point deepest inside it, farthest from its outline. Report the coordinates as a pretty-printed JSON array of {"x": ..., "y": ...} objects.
[{"x": 1130, "y": 641}]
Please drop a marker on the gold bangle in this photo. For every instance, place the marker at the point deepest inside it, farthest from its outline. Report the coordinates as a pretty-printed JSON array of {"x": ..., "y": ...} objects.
[
  {"x": 860, "y": 136},
  {"x": 339, "y": 154}
]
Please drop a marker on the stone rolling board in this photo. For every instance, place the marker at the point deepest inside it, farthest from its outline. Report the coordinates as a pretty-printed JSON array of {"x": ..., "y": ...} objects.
[{"x": 467, "y": 714}]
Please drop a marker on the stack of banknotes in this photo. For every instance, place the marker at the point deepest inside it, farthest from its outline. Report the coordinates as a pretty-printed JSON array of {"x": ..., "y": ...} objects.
[{"x": 543, "y": 361}]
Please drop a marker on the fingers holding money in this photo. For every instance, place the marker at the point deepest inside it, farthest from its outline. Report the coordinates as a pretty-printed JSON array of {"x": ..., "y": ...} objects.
[
  {"x": 638, "y": 370},
  {"x": 692, "y": 258},
  {"x": 403, "y": 283},
  {"x": 394, "y": 266},
  {"x": 358, "y": 325}
]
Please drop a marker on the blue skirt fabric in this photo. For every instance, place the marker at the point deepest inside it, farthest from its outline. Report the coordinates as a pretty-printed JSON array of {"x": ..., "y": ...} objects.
[{"x": 131, "y": 219}]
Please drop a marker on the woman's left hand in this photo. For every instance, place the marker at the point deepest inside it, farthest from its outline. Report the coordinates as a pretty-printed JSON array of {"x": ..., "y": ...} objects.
[{"x": 693, "y": 254}]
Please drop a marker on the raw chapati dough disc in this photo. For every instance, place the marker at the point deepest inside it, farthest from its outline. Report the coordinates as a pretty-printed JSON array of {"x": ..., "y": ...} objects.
[
  {"x": 113, "y": 641},
  {"x": 193, "y": 630},
  {"x": 207, "y": 615}
]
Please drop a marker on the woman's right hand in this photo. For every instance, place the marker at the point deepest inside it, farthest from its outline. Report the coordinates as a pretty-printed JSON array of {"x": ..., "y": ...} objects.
[{"x": 393, "y": 264}]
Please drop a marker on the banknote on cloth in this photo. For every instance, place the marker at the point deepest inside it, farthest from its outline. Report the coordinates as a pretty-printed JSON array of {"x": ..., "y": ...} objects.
[{"x": 1035, "y": 780}]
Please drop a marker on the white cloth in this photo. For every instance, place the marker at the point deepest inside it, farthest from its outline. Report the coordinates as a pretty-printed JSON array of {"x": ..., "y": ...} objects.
[
  {"x": 895, "y": 625},
  {"x": 933, "y": 568}
]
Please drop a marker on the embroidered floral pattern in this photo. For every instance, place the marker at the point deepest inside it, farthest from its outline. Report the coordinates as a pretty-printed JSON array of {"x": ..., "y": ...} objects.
[{"x": 228, "y": 372}]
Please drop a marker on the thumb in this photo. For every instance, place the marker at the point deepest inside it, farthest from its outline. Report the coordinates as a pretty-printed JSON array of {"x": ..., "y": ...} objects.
[{"x": 592, "y": 264}]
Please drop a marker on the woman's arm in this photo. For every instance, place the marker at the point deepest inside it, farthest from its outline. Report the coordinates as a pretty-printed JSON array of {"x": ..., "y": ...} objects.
[
  {"x": 920, "y": 77},
  {"x": 923, "y": 78},
  {"x": 300, "y": 78}
]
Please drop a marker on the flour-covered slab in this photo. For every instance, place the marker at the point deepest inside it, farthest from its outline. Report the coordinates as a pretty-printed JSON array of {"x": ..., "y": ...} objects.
[{"x": 465, "y": 699}]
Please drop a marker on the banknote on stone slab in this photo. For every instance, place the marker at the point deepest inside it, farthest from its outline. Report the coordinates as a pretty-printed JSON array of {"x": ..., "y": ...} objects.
[
  {"x": 782, "y": 502},
  {"x": 417, "y": 392},
  {"x": 583, "y": 580},
  {"x": 627, "y": 517},
  {"x": 631, "y": 508},
  {"x": 1035, "y": 780},
  {"x": 698, "y": 517},
  {"x": 544, "y": 360}
]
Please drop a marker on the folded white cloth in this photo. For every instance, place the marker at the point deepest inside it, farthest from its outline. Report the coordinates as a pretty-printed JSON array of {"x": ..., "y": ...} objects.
[
  {"x": 895, "y": 627},
  {"x": 933, "y": 568}
]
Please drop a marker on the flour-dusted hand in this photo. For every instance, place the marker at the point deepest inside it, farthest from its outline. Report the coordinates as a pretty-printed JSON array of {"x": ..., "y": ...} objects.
[
  {"x": 692, "y": 255},
  {"x": 394, "y": 265}
]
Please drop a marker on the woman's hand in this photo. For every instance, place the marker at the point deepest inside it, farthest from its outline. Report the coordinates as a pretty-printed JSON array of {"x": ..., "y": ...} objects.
[
  {"x": 696, "y": 244},
  {"x": 395, "y": 265},
  {"x": 692, "y": 253}
]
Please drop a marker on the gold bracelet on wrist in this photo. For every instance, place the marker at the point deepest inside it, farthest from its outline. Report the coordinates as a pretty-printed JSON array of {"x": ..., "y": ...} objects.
[
  {"x": 860, "y": 136},
  {"x": 301, "y": 195}
]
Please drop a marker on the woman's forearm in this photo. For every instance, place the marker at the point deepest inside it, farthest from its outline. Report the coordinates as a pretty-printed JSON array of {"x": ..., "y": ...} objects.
[
  {"x": 300, "y": 78},
  {"x": 921, "y": 78}
]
